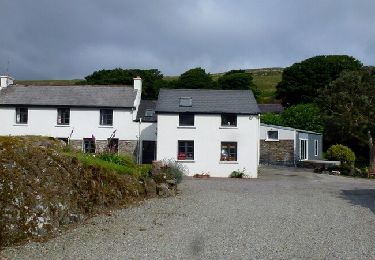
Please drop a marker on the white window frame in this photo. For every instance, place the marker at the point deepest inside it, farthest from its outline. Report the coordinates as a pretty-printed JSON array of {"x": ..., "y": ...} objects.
[
  {"x": 273, "y": 139},
  {"x": 316, "y": 146},
  {"x": 306, "y": 149}
]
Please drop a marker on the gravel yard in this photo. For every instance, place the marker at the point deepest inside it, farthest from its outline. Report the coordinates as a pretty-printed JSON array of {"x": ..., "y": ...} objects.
[{"x": 286, "y": 213}]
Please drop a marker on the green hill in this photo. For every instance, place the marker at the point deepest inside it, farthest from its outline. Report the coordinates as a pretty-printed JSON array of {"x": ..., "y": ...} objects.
[{"x": 265, "y": 79}]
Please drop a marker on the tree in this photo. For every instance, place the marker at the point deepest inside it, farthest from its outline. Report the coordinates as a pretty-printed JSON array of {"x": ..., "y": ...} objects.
[
  {"x": 238, "y": 79},
  {"x": 120, "y": 76},
  {"x": 301, "y": 82},
  {"x": 271, "y": 119},
  {"x": 196, "y": 78},
  {"x": 349, "y": 107},
  {"x": 303, "y": 116}
]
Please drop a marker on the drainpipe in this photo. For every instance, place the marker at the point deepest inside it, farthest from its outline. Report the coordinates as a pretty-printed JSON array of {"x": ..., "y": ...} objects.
[{"x": 139, "y": 142}]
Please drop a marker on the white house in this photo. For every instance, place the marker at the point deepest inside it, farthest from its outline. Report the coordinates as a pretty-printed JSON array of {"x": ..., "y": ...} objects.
[
  {"x": 93, "y": 118},
  {"x": 209, "y": 131},
  {"x": 288, "y": 146}
]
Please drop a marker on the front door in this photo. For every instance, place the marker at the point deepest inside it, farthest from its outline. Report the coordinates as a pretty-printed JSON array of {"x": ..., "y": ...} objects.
[{"x": 148, "y": 151}]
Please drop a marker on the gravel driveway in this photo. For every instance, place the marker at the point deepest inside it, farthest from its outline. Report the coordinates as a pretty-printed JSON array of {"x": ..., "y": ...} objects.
[{"x": 286, "y": 213}]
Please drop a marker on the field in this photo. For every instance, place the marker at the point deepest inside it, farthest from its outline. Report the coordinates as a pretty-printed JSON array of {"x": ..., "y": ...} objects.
[{"x": 265, "y": 79}]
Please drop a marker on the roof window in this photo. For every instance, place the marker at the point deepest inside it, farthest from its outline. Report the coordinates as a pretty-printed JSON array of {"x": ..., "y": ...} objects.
[
  {"x": 186, "y": 102},
  {"x": 149, "y": 113}
]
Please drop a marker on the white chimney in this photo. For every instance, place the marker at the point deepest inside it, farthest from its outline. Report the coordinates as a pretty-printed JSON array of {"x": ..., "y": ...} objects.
[
  {"x": 5, "y": 81},
  {"x": 138, "y": 88}
]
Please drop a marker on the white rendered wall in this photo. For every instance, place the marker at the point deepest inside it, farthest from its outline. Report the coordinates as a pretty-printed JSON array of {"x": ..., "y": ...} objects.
[
  {"x": 284, "y": 134},
  {"x": 85, "y": 122},
  {"x": 148, "y": 131},
  {"x": 208, "y": 135}
]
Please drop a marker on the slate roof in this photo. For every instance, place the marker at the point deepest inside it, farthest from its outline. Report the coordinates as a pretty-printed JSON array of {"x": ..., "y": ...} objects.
[
  {"x": 274, "y": 108},
  {"x": 208, "y": 101},
  {"x": 73, "y": 96},
  {"x": 143, "y": 106}
]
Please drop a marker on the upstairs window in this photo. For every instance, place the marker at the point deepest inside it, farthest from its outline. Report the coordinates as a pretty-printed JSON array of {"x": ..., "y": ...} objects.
[
  {"x": 185, "y": 150},
  {"x": 186, "y": 119},
  {"x": 89, "y": 145},
  {"x": 229, "y": 120},
  {"x": 106, "y": 117},
  {"x": 272, "y": 135},
  {"x": 22, "y": 115},
  {"x": 63, "y": 116},
  {"x": 228, "y": 151},
  {"x": 186, "y": 102},
  {"x": 149, "y": 113}
]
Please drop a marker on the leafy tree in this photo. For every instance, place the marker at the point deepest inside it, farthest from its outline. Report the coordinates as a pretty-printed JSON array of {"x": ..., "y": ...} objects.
[
  {"x": 303, "y": 116},
  {"x": 271, "y": 119},
  {"x": 301, "y": 82},
  {"x": 349, "y": 106},
  {"x": 238, "y": 79},
  {"x": 120, "y": 76},
  {"x": 196, "y": 78}
]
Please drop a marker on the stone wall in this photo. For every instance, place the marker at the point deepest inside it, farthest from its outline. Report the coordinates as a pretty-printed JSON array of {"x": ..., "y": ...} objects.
[
  {"x": 277, "y": 152},
  {"x": 76, "y": 144},
  {"x": 124, "y": 146}
]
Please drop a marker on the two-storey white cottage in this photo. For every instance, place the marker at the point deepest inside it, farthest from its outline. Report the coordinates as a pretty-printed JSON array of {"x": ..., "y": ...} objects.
[
  {"x": 92, "y": 118},
  {"x": 209, "y": 131}
]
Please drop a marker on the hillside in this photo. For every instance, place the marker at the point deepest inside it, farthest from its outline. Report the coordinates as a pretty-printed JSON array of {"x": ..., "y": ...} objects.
[{"x": 265, "y": 79}]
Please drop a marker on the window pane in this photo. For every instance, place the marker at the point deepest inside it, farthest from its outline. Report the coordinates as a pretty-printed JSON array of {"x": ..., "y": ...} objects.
[
  {"x": 186, "y": 102},
  {"x": 229, "y": 120},
  {"x": 228, "y": 151},
  {"x": 63, "y": 116},
  {"x": 106, "y": 117},
  {"x": 274, "y": 135},
  {"x": 21, "y": 115},
  {"x": 185, "y": 150},
  {"x": 89, "y": 145},
  {"x": 186, "y": 119}
]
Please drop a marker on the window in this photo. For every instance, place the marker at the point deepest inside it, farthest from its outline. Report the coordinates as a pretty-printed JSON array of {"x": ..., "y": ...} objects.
[
  {"x": 21, "y": 115},
  {"x": 63, "y": 116},
  {"x": 228, "y": 151},
  {"x": 186, "y": 102},
  {"x": 186, "y": 119},
  {"x": 113, "y": 145},
  {"x": 106, "y": 116},
  {"x": 303, "y": 149},
  {"x": 149, "y": 113},
  {"x": 272, "y": 135},
  {"x": 228, "y": 120},
  {"x": 89, "y": 145},
  {"x": 316, "y": 146},
  {"x": 185, "y": 150}
]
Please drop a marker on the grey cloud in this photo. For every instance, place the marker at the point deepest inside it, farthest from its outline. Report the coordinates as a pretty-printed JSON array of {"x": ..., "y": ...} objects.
[{"x": 69, "y": 39}]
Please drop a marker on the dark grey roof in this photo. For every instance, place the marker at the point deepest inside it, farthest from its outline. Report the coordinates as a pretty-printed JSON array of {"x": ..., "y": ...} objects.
[
  {"x": 143, "y": 106},
  {"x": 267, "y": 108},
  {"x": 208, "y": 101},
  {"x": 78, "y": 96}
]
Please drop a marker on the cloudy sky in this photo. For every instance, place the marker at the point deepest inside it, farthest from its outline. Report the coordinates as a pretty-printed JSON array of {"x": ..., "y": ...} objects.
[{"x": 51, "y": 39}]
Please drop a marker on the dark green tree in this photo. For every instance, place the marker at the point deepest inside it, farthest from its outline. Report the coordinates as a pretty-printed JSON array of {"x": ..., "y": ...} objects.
[
  {"x": 238, "y": 79},
  {"x": 303, "y": 116},
  {"x": 349, "y": 107},
  {"x": 196, "y": 78},
  {"x": 271, "y": 119},
  {"x": 301, "y": 82},
  {"x": 120, "y": 76}
]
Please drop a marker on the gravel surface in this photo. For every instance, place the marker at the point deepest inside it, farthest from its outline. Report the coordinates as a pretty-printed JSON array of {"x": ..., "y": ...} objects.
[{"x": 286, "y": 213}]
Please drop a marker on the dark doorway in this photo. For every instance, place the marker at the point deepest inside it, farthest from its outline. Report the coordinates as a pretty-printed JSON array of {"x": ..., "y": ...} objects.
[{"x": 148, "y": 151}]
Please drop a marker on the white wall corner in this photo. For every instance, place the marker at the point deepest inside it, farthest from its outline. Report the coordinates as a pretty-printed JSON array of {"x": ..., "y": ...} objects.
[{"x": 137, "y": 87}]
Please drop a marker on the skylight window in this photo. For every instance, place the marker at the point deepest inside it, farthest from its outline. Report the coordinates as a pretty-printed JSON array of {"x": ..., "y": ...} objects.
[
  {"x": 186, "y": 102},
  {"x": 149, "y": 112}
]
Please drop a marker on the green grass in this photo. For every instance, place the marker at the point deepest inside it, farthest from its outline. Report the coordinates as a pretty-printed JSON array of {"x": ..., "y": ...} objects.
[
  {"x": 92, "y": 160},
  {"x": 47, "y": 82}
]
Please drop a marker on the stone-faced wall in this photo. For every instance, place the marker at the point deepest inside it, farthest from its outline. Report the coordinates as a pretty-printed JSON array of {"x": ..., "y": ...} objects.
[
  {"x": 124, "y": 146},
  {"x": 277, "y": 152},
  {"x": 76, "y": 144}
]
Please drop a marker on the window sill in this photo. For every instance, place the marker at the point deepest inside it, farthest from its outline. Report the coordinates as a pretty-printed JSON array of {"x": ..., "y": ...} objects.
[
  {"x": 20, "y": 125},
  {"x": 228, "y": 162},
  {"x": 272, "y": 140},
  {"x": 185, "y": 161},
  {"x": 62, "y": 125},
  {"x": 186, "y": 127},
  {"x": 106, "y": 126},
  {"x": 228, "y": 127}
]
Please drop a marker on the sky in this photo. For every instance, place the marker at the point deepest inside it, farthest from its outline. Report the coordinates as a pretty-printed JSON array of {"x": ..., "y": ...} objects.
[{"x": 69, "y": 39}]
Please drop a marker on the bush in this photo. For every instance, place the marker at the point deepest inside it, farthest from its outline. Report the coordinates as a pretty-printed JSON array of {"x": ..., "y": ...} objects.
[
  {"x": 125, "y": 160},
  {"x": 238, "y": 174},
  {"x": 171, "y": 170},
  {"x": 342, "y": 153}
]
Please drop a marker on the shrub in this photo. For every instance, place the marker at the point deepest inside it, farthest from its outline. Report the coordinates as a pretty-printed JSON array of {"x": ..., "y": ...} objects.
[
  {"x": 238, "y": 174},
  {"x": 342, "y": 153},
  {"x": 171, "y": 170},
  {"x": 125, "y": 160}
]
